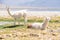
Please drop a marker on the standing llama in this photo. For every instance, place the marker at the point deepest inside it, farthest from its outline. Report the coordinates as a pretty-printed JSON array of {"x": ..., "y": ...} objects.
[
  {"x": 17, "y": 15},
  {"x": 38, "y": 25}
]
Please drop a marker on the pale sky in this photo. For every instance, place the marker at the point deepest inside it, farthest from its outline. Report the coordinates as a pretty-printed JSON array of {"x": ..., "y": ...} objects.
[{"x": 37, "y": 3}]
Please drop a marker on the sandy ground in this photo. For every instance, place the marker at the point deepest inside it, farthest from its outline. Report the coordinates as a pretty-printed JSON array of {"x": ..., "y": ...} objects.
[{"x": 29, "y": 34}]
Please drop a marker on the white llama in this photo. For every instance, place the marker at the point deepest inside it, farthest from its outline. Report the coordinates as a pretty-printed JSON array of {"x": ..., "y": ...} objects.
[
  {"x": 17, "y": 15},
  {"x": 38, "y": 25}
]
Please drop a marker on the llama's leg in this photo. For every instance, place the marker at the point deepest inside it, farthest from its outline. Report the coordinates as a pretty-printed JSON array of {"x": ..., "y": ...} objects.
[
  {"x": 18, "y": 21},
  {"x": 14, "y": 21},
  {"x": 25, "y": 21}
]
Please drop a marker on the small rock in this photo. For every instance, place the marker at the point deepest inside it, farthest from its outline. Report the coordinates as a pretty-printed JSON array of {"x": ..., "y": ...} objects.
[
  {"x": 54, "y": 34},
  {"x": 24, "y": 36},
  {"x": 14, "y": 35},
  {"x": 1, "y": 38},
  {"x": 35, "y": 35},
  {"x": 8, "y": 35}
]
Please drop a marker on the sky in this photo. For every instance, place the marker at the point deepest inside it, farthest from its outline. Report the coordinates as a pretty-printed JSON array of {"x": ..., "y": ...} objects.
[{"x": 35, "y": 3}]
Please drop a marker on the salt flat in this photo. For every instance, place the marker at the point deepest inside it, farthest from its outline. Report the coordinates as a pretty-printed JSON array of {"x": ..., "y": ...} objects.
[{"x": 4, "y": 13}]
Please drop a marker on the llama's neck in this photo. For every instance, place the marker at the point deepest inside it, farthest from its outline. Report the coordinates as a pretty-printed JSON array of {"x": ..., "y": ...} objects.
[
  {"x": 9, "y": 12},
  {"x": 45, "y": 23}
]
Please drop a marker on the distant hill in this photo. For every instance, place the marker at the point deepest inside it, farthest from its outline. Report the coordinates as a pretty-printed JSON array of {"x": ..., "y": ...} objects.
[{"x": 2, "y": 7}]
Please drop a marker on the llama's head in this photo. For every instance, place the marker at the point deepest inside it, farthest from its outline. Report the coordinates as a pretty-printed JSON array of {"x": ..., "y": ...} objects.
[{"x": 48, "y": 18}]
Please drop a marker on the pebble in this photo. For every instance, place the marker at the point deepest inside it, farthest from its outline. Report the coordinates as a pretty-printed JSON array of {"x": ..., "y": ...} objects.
[{"x": 35, "y": 35}]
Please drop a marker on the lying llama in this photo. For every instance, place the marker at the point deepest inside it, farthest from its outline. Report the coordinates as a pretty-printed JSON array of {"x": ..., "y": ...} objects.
[
  {"x": 17, "y": 15},
  {"x": 38, "y": 25}
]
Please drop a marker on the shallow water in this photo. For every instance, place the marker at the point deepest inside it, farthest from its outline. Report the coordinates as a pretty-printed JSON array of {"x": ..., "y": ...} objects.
[{"x": 3, "y": 23}]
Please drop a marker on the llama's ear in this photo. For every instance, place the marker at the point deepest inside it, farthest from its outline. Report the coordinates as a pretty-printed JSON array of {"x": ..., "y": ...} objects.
[
  {"x": 7, "y": 6},
  {"x": 48, "y": 18}
]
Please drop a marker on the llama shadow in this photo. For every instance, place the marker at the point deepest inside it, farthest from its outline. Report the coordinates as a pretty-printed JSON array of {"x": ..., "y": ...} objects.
[{"x": 13, "y": 26}]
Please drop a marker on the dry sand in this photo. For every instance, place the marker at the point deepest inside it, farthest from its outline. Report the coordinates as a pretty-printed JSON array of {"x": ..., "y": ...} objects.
[{"x": 29, "y": 34}]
